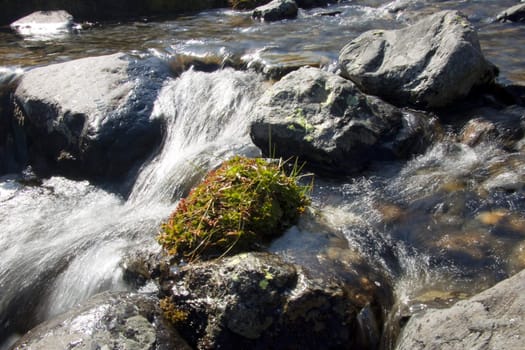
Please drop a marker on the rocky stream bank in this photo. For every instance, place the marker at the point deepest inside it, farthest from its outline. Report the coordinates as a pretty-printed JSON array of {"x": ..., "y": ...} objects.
[{"x": 416, "y": 94}]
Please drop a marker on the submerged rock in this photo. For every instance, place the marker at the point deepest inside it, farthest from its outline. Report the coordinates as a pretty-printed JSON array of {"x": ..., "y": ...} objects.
[
  {"x": 515, "y": 13},
  {"x": 90, "y": 118},
  {"x": 276, "y": 10},
  {"x": 505, "y": 127},
  {"x": 492, "y": 319},
  {"x": 430, "y": 64},
  {"x": 107, "y": 321},
  {"x": 44, "y": 23},
  {"x": 258, "y": 301},
  {"x": 326, "y": 121}
]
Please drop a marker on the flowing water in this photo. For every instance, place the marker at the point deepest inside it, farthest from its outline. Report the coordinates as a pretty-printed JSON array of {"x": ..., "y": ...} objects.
[{"x": 439, "y": 227}]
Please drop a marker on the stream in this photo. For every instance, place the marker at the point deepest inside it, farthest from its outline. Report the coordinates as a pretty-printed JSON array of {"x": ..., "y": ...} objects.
[{"x": 441, "y": 226}]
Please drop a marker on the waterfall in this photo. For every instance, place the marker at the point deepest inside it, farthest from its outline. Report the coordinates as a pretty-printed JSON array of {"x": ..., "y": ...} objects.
[{"x": 64, "y": 241}]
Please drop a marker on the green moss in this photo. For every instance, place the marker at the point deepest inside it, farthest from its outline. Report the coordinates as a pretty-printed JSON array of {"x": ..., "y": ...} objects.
[{"x": 241, "y": 204}]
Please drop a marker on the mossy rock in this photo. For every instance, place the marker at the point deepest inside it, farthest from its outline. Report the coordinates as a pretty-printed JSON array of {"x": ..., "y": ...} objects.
[{"x": 243, "y": 203}]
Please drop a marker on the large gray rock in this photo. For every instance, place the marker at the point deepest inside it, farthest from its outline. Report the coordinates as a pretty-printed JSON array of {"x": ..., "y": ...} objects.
[
  {"x": 44, "y": 23},
  {"x": 514, "y": 14},
  {"x": 276, "y": 10},
  {"x": 91, "y": 117},
  {"x": 430, "y": 64},
  {"x": 326, "y": 121},
  {"x": 258, "y": 301},
  {"x": 493, "y": 319},
  {"x": 107, "y": 321}
]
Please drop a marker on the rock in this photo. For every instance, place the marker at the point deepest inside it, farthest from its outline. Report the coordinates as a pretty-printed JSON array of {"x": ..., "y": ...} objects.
[
  {"x": 107, "y": 321},
  {"x": 247, "y": 4},
  {"x": 515, "y": 13},
  {"x": 44, "y": 23},
  {"x": 102, "y": 10},
  {"x": 90, "y": 118},
  {"x": 326, "y": 121},
  {"x": 12, "y": 144},
  {"x": 492, "y": 319},
  {"x": 430, "y": 64},
  {"x": 505, "y": 127},
  {"x": 305, "y": 4},
  {"x": 258, "y": 301},
  {"x": 276, "y": 10}
]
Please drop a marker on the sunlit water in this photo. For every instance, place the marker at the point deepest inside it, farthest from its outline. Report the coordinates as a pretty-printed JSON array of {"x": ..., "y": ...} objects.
[{"x": 440, "y": 227}]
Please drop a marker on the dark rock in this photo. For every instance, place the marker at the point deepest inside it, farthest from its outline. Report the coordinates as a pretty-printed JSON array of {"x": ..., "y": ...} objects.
[
  {"x": 515, "y": 13},
  {"x": 492, "y": 319},
  {"x": 13, "y": 154},
  {"x": 430, "y": 64},
  {"x": 258, "y": 301},
  {"x": 44, "y": 23},
  {"x": 276, "y": 10},
  {"x": 90, "y": 118},
  {"x": 506, "y": 127},
  {"x": 107, "y": 321},
  {"x": 326, "y": 121}
]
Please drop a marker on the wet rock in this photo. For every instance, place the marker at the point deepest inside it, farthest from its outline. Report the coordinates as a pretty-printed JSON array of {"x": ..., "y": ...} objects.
[
  {"x": 492, "y": 319},
  {"x": 44, "y": 23},
  {"x": 258, "y": 301},
  {"x": 90, "y": 118},
  {"x": 276, "y": 10},
  {"x": 430, "y": 64},
  {"x": 326, "y": 121},
  {"x": 12, "y": 144},
  {"x": 107, "y": 321},
  {"x": 505, "y": 127},
  {"x": 515, "y": 13},
  {"x": 247, "y": 4}
]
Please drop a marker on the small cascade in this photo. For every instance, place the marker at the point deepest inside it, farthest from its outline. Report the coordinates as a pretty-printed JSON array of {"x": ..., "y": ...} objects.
[{"x": 207, "y": 118}]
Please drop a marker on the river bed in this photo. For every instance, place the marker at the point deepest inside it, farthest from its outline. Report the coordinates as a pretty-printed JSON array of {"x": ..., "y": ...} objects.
[{"x": 439, "y": 227}]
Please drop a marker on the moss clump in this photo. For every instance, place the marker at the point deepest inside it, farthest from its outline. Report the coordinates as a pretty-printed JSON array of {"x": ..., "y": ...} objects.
[
  {"x": 241, "y": 203},
  {"x": 171, "y": 312}
]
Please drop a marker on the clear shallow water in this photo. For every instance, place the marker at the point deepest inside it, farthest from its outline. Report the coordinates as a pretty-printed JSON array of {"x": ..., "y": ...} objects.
[{"x": 439, "y": 227}]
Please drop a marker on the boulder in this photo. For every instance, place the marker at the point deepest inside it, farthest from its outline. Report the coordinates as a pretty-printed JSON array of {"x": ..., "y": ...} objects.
[
  {"x": 44, "y": 23},
  {"x": 259, "y": 301},
  {"x": 429, "y": 64},
  {"x": 90, "y": 118},
  {"x": 515, "y": 13},
  {"x": 326, "y": 121},
  {"x": 276, "y": 10},
  {"x": 12, "y": 150},
  {"x": 493, "y": 319},
  {"x": 247, "y": 4},
  {"x": 107, "y": 321}
]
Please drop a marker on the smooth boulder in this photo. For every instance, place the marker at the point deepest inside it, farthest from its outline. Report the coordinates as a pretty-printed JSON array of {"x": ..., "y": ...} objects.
[
  {"x": 44, "y": 23},
  {"x": 515, "y": 13},
  {"x": 107, "y": 321},
  {"x": 91, "y": 118},
  {"x": 430, "y": 64},
  {"x": 259, "y": 301},
  {"x": 326, "y": 121},
  {"x": 276, "y": 10},
  {"x": 493, "y": 319}
]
